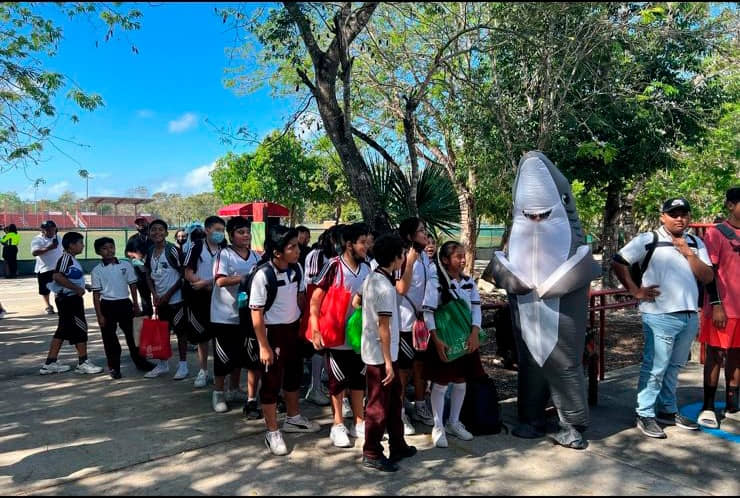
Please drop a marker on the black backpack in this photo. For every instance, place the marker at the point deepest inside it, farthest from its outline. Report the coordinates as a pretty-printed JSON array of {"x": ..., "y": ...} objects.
[
  {"x": 637, "y": 270},
  {"x": 481, "y": 413},
  {"x": 245, "y": 314}
]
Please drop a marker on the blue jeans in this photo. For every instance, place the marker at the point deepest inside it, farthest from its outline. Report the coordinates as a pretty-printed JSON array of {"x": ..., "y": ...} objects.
[{"x": 668, "y": 339}]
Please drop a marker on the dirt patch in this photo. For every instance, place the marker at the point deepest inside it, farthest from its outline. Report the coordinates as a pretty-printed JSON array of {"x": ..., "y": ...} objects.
[{"x": 623, "y": 342}]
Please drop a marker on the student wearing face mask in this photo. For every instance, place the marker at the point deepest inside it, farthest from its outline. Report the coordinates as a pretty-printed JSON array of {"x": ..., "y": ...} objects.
[
  {"x": 137, "y": 247},
  {"x": 198, "y": 287}
]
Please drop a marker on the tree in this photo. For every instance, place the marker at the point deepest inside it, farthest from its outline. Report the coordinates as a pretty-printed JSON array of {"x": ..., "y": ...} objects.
[
  {"x": 27, "y": 88},
  {"x": 278, "y": 171}
]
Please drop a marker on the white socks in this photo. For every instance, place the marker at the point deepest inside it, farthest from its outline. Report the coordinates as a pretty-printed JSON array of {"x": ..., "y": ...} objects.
[
  {"x": 456, "y": 401},
  {"x": 438, "y": 404},
  {"x": 317, "y": 363}
]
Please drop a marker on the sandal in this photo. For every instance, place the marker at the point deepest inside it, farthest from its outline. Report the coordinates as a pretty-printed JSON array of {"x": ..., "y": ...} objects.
[{"x": 708, "y": 419}]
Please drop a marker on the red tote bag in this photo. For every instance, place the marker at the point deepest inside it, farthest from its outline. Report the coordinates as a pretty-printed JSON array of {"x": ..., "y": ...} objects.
[
  {"x": 154, "y": 342},
  {"x": 333, "y": 316}
]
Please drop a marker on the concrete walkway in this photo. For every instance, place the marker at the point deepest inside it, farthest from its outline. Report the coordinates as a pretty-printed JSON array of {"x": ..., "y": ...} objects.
[{"x": 67, "y": 434}]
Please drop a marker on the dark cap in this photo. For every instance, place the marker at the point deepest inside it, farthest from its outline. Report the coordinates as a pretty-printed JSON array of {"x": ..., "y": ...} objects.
[
  {"x": 675, "y": 203},
  {"x": 733, "y": 195},
  {"x": 48, "y": 224},
  {"x": 141, "y": 219}
]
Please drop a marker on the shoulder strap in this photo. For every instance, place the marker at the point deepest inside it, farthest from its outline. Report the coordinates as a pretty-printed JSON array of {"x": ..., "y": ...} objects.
[
  {"x": 650, "y": 250},
  {"x": 271, "y": 284},
  {"x": 728, "y": 232}
]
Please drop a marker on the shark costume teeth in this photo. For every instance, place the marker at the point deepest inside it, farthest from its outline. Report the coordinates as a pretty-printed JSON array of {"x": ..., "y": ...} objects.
[{"x": 546, "y": 271}]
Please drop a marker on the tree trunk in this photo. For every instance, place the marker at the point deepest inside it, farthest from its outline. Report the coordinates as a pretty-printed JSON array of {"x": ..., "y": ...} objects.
[
  {"x": 610, "y": 234},
  {"x": 409, "y": 124},
  {"x": 628, "y": 216},
  {"x": 337, "y": 214},
  {"x": 292, "y": 216},
  {"x": 468, "y": 228}
]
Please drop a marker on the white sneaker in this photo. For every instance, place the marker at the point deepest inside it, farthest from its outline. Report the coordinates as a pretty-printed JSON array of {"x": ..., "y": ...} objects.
[
  {"x": 458, "y": 430},
  {"x": 708, "y": 419},
  {"x": 347, "y": 409},
  {"x": 182, "y": 371},
  {"x": 53, "y": 368},
  {"x": 218, "y": 401},
  {"x": 408, "y": 427},
  {"x": 162, "y": 368},
  {"x": 201, "y": 380},
  {"x": 339, "y": 436},
  {"x": 733, "y": 416},
  {"x": 422, "y": 413},
  {"x": 439, "y": 438},
  {"x": 275, "y": 443},
  {"x": 236, "y": 396},
  {"x": 300, "y": 424},
  {"x": 88, "y": 368},
  {"x": 317, "y": 397},
  {"x": 358, "y": 430}
]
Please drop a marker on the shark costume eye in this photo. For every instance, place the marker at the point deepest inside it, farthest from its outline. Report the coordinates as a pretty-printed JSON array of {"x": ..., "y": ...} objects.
[{"x": 566, "y": 199}]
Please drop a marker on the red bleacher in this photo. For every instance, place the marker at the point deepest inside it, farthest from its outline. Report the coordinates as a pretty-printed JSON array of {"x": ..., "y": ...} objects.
[{"x": 67, "y": 220}]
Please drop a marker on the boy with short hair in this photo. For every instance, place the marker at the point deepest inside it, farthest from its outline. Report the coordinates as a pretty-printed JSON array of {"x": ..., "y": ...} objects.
[
  {"x": 380, "y": 339},
  {"x": 164, "y": 277},
  {"x": 69, "y": 287},
  {"x": 46, "y": 248},
  {"x": 112, "y": 283}
]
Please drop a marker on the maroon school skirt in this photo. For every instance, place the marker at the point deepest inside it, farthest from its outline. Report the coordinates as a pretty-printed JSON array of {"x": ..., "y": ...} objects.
[{"x": 467, "y": 367}]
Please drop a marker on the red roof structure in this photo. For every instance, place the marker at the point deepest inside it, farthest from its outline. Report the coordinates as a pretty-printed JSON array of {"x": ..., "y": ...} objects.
[{"x": 248, "y": 210}]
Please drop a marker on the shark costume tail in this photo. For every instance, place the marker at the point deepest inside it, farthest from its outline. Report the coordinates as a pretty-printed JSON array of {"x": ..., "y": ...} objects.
[{"x": 547, "y": 272}]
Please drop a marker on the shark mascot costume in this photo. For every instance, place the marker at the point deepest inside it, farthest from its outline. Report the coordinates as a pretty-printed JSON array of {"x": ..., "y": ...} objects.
[{"x": 547, "y": 272}]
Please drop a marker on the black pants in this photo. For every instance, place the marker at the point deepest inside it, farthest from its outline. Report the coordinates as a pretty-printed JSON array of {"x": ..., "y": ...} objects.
[
  {"x": 145, "y": 294},
  {"x": 10, "y": 255},
  {"x": 120, "y": 313}
]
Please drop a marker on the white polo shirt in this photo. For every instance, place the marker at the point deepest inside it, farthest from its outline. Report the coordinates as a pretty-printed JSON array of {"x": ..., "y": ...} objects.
[
  {"x": 48, "y": 260},
  {"x": 669, "y": 269},
  {"x": 422, "y": 292},
  {"x": 202, "y": 266},
  {"x": 379, "y": 298},
  {"x": 165, "y": 271},
  {"x": 284, "y": 309},
  {"x": 112, "y": 280},
  {"x": 70, "y": 268},
  {"x": 466, "y": 289},
  {"x": 229, "y": 263}
]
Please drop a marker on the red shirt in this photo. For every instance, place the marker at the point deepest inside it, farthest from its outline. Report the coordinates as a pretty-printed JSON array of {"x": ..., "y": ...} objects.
[{"x": 725, "y": 254}]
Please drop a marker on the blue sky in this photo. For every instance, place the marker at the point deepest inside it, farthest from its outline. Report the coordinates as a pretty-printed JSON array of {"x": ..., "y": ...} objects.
[{"x": 152, "y": 129}]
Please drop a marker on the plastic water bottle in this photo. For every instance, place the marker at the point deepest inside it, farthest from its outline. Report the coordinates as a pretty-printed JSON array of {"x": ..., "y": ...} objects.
[{"x": 242, "y": 299}]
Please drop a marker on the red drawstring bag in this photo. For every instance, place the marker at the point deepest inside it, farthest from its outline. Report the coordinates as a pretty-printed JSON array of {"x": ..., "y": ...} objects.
[
  {"x": 333, "y": 315},
  {"x": 154, "y": 341}
]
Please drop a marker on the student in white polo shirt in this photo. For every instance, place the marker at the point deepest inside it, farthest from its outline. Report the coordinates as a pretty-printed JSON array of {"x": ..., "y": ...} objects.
[
  {"x": 113, "y": 282},
  {"x": 668, "y": 294},
  {"x": 232, "y": 263},
  {"x": 47, "y": 249},
  {"x": 273, "y": 301}
]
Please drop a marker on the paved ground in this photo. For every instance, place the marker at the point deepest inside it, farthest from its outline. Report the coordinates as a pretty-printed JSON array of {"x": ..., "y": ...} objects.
[{"x": 71, "y": 435}]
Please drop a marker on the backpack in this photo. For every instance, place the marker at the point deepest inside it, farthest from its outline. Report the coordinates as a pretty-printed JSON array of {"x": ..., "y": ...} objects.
[
  {"x": 638, "y": 269},
  {"x": 245, "y": 314},
  {"x": 481, "y": 413},
  {"x": 173, "y": 260}
]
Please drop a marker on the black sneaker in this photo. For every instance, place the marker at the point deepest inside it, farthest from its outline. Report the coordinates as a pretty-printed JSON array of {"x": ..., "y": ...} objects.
[
  {"x": 678, "y": 420},
  {"x": 382, "y": 464},
  {"x": 408, "y": 452},
  {"x": 114, "y": 374},
  {"x": 252, "y": 411},
  {"x": 650, "y": 427}
]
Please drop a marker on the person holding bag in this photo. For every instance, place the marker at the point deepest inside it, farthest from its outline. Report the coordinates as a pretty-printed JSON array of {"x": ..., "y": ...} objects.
[
  {"x": 346, "y": 274},
  {"x": 438, "y": 368}
]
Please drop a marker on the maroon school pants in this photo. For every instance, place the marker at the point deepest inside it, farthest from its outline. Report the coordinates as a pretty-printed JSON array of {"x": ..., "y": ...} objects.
[{"x": 383, "y": 411}]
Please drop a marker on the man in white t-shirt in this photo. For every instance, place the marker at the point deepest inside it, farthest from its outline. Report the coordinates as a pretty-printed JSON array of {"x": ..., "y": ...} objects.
[
  {"x": 670, "y": 262},
  {"x": 47, "y": 249}
]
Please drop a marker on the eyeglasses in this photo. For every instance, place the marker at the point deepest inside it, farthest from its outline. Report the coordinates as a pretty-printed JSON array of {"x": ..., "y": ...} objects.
[{"x": 678, "y": 214}]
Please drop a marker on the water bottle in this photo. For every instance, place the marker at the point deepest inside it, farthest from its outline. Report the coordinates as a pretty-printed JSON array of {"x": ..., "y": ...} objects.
[{"x": 242, "y": 299}]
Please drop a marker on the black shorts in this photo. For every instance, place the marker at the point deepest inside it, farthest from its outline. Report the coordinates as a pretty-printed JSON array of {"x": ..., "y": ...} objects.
[
  {"x": 45, "y": 278},
  {"x": 346, "y": 370},
  {"x": 175, "y": 315},
  {"x": 198, "y": 313},
  {"x": 406, "y": 352},
  {"x": 229, "y": 348},
  {"x": 72, "y": 325}
]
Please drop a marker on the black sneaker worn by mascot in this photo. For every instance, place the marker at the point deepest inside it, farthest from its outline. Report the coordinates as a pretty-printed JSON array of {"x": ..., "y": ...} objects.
[{"x": 546, "y": 272}]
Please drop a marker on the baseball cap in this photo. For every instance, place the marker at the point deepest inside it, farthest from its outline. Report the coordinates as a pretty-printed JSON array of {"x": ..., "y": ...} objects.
[
  {"x": 48, "y": 224},
  {"x": 140, "y": 219},
  {"x": 733, "y": 195},
  {"x": 675, "y": 203}
]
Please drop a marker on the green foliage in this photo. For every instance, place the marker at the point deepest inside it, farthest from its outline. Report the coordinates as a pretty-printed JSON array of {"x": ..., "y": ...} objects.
[
  {"x": 28, "y": 89},
  {"x": 436, "y": 199}
]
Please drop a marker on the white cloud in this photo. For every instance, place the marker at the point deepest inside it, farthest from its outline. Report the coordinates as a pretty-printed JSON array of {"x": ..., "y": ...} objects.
[
  {"x": 195, "y": 181},
  {"x": 57, "y": 189},
  {"x": 184, "y": 123},
  {"x": 145, "y": 113}
]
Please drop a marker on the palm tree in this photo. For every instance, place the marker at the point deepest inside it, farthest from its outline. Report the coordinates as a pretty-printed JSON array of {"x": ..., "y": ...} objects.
[
  {"x": 86, "y": 175},
  {"x": 36, "y": 184}
]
